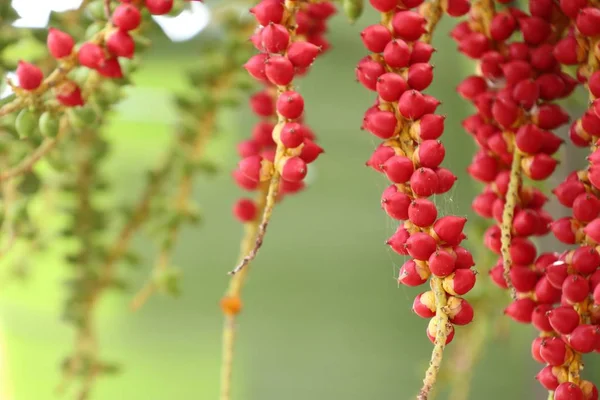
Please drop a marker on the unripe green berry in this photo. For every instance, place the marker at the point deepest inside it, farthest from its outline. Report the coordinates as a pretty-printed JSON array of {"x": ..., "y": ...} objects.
[
  {"x": 49, "y": 124},
  {"x": 353, "y": 9},
  {"x": 81, "y": 117},
  {"x": 95, "y": 10},
  {"x": 93, "y": 29},
  {"x": 26, "y": 123}
]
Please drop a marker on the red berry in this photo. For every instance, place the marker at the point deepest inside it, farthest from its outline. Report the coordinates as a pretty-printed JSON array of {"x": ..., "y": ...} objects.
[
  {"x": 555, "y": 352},
  {"x": 382, "y": 124},
  {"x": 539, "y": 166},
  {"x": 269, "y": 11},
  {"x": 535, "y": 30},
  {"x": 449, "y": 229},
  {"x": 159, "y": 7},
  {"x": 390, "y": 86},
  {"x": 502, "y": 27},
  {"x": 424, "y": 182},
  {"x": 293, "y": 169},
  {"x": 69, "y": 94},
  {"x": 460, "y": 311},
  {"x": 60, "y": 44},
  {"x": 384, "y": 5},
  {"x": 432, "y": 329},
  {"x": 408, "y": 25},
  {"x": 521, "y": 310},
  {"x": 395, "y": 203},
  {"x": 441, "y": 263},
  {"x": 428, "y": 127},
  {"x": 588, "y": 21},
  {"x": 302, "y": 54},
  {"x": 539, "y": 319},
  {"x": 563, "y": 319},
  {"x": 245, "y": 210},
  {"x": 413, "y": 274},
  {"x": 446, "y": 180},
  {"x": 30, "y": 76},
  {"x": 424, "y": 305},
  {"x": 126, "y": 17},
  {"x": 275, "y": 38},
  {"x": 380, "y": 156},
  {"x": 461, "y": 281},
  {"x": 421, "y": 53},
  {"x": 420, "y": 76},
  {"x": 550, "y": 376},
  {"x": 290, "y": 105},
  {"x": 420, "y": 246},
  {"x": 422, "y": 212},
  {"x": 412, "y": 105},
  {"x": 397, "y": 54},
  {"x": 430, "y": 153},
  {"x": 292, "y": 135},
  {"x": 91, "y": 55},
  {"x": 376, "y": 37},
  {"x": 256, "y": 66},
  {"x": 398, "y": 169},
  {"x": 584, "y": 338},
  {"x": 279, "y": 70},
  {"x": 120, "y": 44}
]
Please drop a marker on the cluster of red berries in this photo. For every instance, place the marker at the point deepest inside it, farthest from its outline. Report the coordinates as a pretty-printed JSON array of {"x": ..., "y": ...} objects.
[
  {"x": 398, "y": 70},
  {"x": 289, "y": 38},
  {"x": 513, "y": 96},
  {"x": 100, "y": 53}
]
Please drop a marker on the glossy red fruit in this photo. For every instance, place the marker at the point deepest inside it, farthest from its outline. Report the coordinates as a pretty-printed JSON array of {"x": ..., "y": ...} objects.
[
  {"x": 412, "y": 274},
  {"x": 126, "y": 17},
  {"x": 412, "y": 104},
  {"x": 390, "y": 86},
  {"x": 563, "y": 319},
  {"x": 397, "y": 54},
  {"x": 245, "y": 210},
  {"x": 449, "y": 229},
  {"x": 398, "y": 169},
  {"x": 588, "y": 21},
  {"x": 269, "y": 11},
  {"x": 110, "y": 68},
  {"x": 275, "y": 38},
  {"x": 60, "y": 44},
  {"x": 568, "y": 391},
  {"x": 420, "y": 76},
  {"x": 460, "y": 311},
  {"x": 461, "y": 281},
  {"x": 408, "y": 25},
  {"x": 376, "y": 37},
  {"x": 302, "y": 54},
  {"x": 120, "y": 44},
  {"x": 521, "y": 310},
  {"x": 424, "y": 305},
  {"x": 441, "y": 263},
  {"x": 584, "y": 338},
  {"x": 91, "y": 55},
  {"x": 424, "y": 182},
  {"x": 420, "y": 246},
  {"x": 293, "y": 169},
  {"x": 279, "y": 70},
  {"x": 290, "y": 105},
  {"x": 159, "y": 7},
  {"x": 69, "y": 94},
  {"x": 585, "y": 260},
  {"x": 30, "y": 76},
  {"x": 539, "y": 318},
  {"x": 395, "y": 203},
  {"x": 555, "y": 352},
  {"x": 549, "y": 376}
]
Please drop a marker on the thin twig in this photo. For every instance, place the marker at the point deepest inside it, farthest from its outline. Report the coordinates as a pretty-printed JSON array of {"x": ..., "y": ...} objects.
[
  {"x": 512, "y": 198},
  {"x": 443, "y": 329},
  {"x": 234, "y": 292}
]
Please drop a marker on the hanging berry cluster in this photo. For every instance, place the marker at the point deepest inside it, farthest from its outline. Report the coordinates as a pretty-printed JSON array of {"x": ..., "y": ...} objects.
[
  {"x": 399, "y": 70},
  {"x": 274, "y": 161},
  {"x": 289, "y": 41},
  {"x": 514, "y": 95}
]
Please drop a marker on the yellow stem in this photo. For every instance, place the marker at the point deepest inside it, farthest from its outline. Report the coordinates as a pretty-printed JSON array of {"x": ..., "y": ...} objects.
[
  {"x": 440, "y": 339},
  {"x": 512, "y": 196},
  {"x": 234, "y": 290}
]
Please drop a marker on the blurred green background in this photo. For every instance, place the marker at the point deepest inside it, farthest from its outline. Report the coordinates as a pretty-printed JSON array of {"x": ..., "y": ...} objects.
[{"x": 324, "y": 317}]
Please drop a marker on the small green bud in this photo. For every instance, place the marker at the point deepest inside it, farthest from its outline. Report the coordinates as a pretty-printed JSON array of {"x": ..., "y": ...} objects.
[
  {"x": 95, "y": 10},
  {"x": 49, "y": 124},
  {"x": 93, "y": 29},
  {"x": 26, "y": 123},
  {"x": 82, "y": 116},
  {"x": 353, "y": 9}
]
